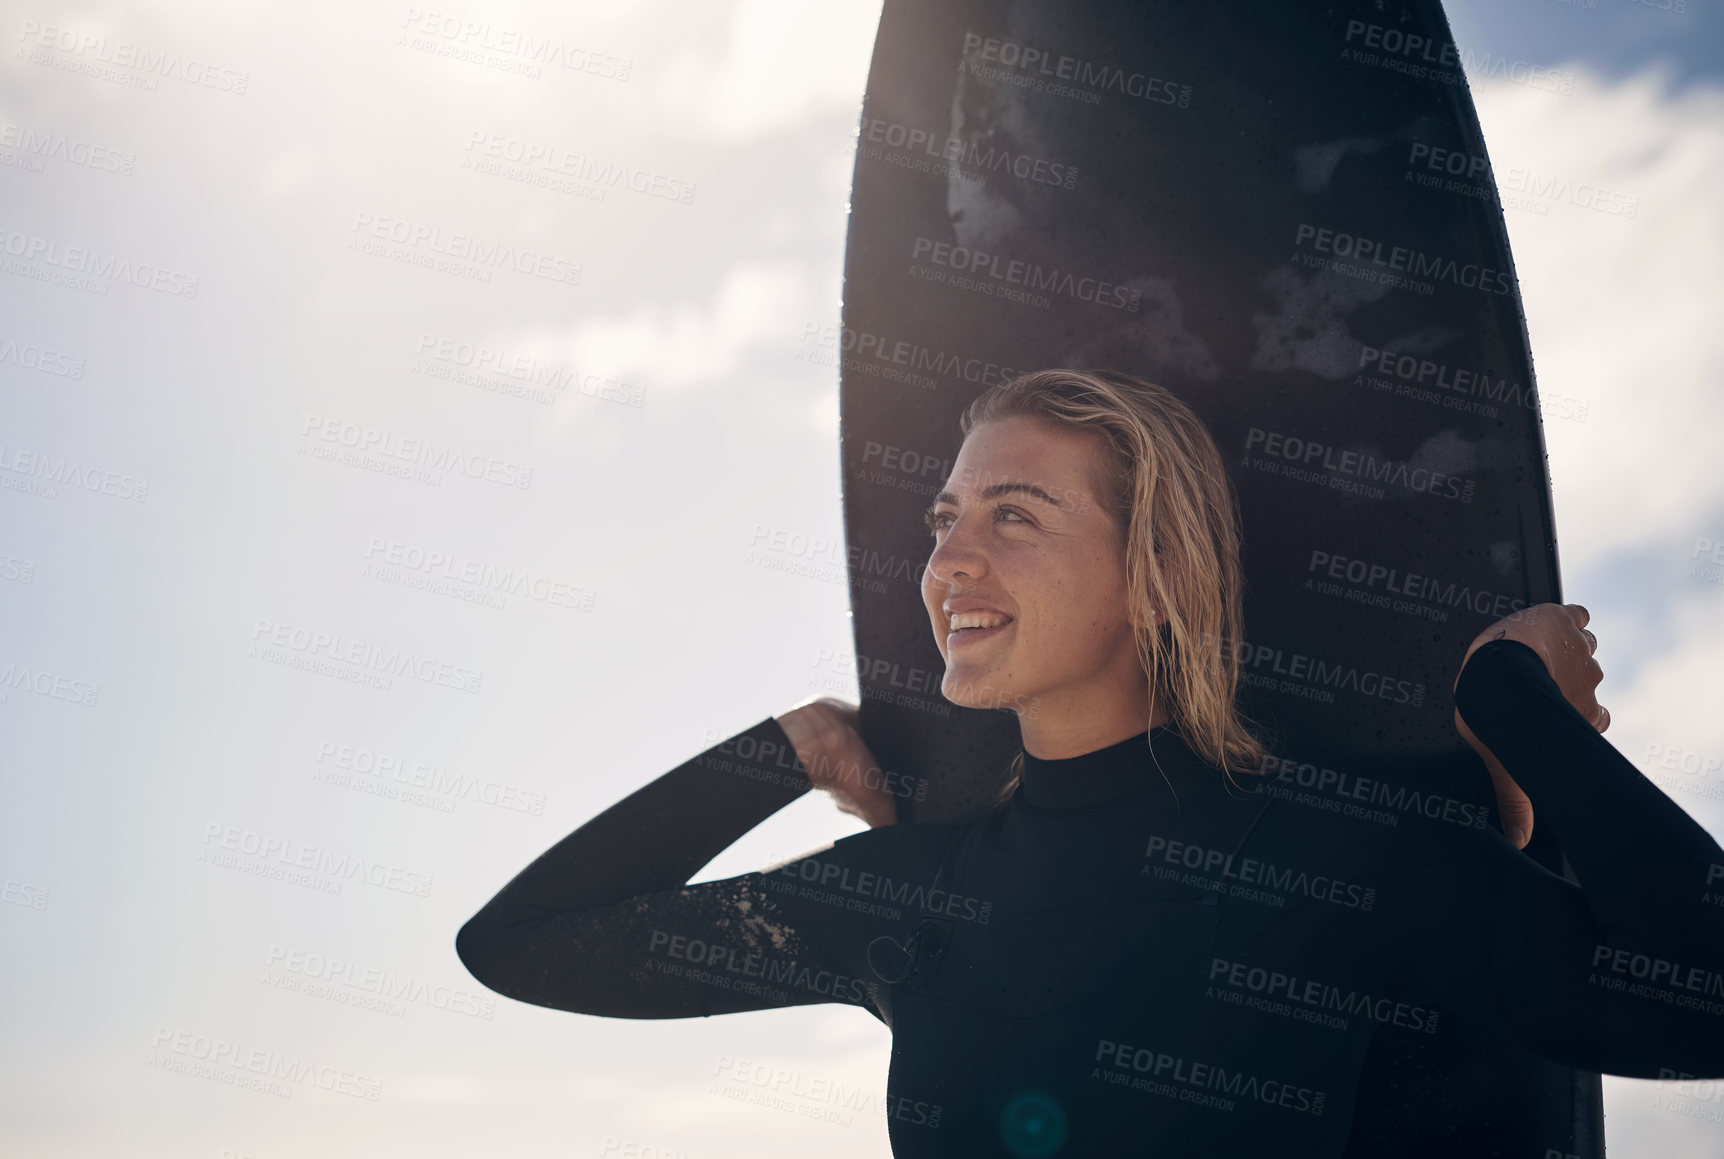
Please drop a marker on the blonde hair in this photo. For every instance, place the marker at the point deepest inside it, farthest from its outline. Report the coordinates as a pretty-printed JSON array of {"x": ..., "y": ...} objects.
[{"x": 1166, "y": 484}]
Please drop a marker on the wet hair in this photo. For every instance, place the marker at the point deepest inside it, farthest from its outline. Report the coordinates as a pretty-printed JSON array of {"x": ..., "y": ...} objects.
[{"x": 1164, "y": 482}]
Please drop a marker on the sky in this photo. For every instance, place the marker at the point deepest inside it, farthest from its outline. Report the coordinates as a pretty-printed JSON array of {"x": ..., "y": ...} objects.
[{"x": 634, "y": 413}]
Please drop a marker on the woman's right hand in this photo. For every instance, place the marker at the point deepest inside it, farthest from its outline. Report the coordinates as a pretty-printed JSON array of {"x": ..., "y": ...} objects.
[{"x": 824, "y": 731}]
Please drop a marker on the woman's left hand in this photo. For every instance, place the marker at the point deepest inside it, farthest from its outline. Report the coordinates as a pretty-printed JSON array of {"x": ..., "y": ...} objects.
[
  {"x": 827, "y": 735},
  {"x": 1557, "y": 632}
]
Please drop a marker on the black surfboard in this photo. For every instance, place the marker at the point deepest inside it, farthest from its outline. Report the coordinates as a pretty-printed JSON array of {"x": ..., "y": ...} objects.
[{"x": 1283, "y": 213}]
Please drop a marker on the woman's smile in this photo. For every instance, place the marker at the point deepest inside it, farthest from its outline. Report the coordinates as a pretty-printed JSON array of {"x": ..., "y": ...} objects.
[
  {"x": 968, "y": 635},
  {"x": 969, "y": 620}
]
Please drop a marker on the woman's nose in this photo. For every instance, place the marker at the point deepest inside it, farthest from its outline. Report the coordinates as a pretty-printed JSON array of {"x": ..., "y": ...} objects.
[{"x": 958, "y": 553}]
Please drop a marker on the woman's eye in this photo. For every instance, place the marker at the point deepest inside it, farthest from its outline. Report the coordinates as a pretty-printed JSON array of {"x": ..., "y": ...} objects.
[{"x": 938, "y": 521}]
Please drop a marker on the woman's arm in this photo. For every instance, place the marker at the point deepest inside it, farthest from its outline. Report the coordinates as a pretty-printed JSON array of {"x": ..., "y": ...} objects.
[
  {"x": 604, "y": 922},
  {"x": 1631, "y": 846},
  {"x": 1623, "y": 974}
]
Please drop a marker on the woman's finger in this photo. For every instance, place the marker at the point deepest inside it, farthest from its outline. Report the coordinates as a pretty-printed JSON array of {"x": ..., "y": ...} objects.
[
  {"x": 1591, "y": 640},
  {"x": 1582, "y": 617},
  {"x": 1602, "y": 720}
]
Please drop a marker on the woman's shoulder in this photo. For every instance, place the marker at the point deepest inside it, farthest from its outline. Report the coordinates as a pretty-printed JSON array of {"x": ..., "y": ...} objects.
[{"x": 908, "y": 848}]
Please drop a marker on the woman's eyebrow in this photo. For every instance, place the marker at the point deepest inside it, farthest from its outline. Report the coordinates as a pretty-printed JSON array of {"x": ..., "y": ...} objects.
[{"x": 996, "y": 489}]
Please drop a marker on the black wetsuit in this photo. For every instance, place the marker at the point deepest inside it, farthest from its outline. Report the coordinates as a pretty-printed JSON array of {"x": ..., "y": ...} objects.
[{"x": 1131, "y": 961}]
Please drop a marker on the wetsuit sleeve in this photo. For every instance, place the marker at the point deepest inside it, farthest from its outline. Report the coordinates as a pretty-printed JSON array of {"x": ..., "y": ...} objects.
[
  {"x": 605, "y": 923},
  {"x": 1623, "y": 974}
]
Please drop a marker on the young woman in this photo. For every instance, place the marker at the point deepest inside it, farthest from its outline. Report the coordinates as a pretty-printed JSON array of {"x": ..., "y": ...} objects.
[{"x": 1139, "y": 949}]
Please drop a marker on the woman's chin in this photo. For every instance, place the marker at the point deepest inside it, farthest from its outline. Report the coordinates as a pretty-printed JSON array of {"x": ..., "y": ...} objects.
[{"x": 969, "y": 688}]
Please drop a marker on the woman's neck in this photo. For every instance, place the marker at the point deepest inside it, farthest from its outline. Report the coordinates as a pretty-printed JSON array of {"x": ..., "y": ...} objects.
[{"x": 1051, "y": 734}]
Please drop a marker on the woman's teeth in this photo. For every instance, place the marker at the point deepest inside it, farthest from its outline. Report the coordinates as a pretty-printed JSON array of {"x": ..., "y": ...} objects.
[{"x": 978, "y": 620}]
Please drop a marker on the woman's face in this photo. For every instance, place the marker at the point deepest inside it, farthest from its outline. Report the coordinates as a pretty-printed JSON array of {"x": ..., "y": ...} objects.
[{"x": 1026, "y": 586}]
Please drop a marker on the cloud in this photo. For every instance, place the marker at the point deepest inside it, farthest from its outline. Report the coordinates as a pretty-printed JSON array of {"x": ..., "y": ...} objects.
[
  {"x": 1673, "y": 705},
  {"x": 783, "y": 64},
  {"x": 1622, "y": 292},
  {"x": 673, "y": 347}
]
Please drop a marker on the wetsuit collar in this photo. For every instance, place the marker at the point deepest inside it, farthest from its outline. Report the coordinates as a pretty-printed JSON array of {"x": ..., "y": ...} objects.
[{"x": 1107, "y": 774}]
